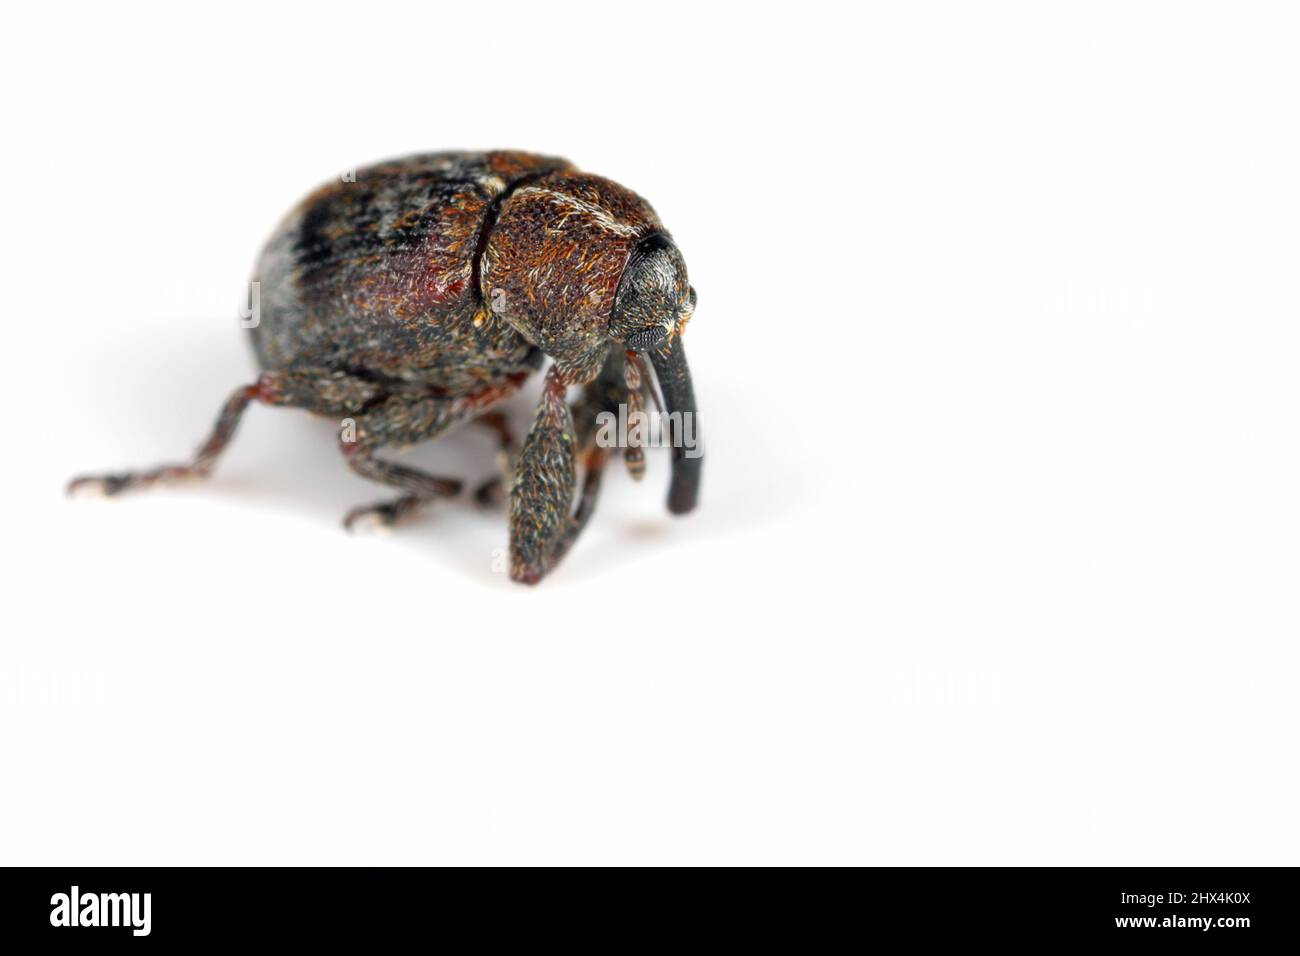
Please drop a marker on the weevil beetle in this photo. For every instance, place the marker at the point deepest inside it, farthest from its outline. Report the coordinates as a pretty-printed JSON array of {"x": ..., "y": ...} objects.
[{"x": 415, "y": 295}]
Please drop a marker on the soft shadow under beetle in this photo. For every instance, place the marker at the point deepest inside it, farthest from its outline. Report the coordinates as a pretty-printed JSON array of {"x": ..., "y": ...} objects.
[{"x": 413, "y": 296}]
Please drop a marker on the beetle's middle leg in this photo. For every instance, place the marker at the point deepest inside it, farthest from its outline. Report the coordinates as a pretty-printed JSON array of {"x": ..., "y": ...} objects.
[
  {"x": 420, "y": 488},
  {"x": 404, "y": 419},
  {"x": 492, "y": 492}
]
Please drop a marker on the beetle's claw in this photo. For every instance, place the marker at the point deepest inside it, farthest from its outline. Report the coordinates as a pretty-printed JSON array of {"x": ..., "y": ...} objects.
[
  {"x": 385, "y": 514},
  {"x": 370, "y": 518},
  {"x": 96, "y": 486}
]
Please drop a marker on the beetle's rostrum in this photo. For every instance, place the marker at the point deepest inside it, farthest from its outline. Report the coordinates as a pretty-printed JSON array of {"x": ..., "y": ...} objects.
[{"x": 415, "y": 296}]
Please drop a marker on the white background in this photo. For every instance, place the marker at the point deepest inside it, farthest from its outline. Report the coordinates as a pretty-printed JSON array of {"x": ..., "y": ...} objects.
[{"x": 996, "y": 348}]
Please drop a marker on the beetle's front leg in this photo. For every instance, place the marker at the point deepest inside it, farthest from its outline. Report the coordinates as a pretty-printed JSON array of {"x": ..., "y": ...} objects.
[{"x": 543, "y": 522}]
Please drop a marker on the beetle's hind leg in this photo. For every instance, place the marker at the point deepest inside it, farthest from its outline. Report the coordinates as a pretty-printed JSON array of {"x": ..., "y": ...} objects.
[
  {"x": 320, "y": 390},
  {"x": 373, "y": 416},
  {"x": 200, "y": 467}
]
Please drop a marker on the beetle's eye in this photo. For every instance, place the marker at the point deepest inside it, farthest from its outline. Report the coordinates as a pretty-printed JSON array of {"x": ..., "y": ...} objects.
[{"x": 646, "y": 338}]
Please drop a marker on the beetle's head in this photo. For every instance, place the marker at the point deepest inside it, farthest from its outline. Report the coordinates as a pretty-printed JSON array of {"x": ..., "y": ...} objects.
[
  {"x": 654, "y": 299},
  {"x": 577, "y": 264},
  {"x": 653, "y": 305}
]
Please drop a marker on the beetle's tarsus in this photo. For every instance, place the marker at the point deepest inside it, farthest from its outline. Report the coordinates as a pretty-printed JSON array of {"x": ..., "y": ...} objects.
[
  {"x": 96, "y": 486},
  {"x": 108, "y": 486},
  {"x": 491, "y": 493},
  {"x": 199, "y": 468},
  {"x": 382, "y": 516}
]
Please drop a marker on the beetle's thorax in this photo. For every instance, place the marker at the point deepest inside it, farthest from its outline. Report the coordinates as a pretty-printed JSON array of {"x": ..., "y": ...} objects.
[{"x": 553, "y": 261}]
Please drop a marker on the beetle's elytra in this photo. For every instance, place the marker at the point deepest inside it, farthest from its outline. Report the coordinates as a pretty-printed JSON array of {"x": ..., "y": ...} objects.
[{"x": 412, "y": 297}]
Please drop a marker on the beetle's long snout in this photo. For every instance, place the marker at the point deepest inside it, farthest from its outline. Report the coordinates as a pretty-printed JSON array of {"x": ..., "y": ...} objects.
[{"x": 675, "y": 384}]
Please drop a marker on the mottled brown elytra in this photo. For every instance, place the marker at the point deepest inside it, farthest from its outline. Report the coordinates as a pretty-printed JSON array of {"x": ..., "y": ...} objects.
[{"x": 412, "y": 296}]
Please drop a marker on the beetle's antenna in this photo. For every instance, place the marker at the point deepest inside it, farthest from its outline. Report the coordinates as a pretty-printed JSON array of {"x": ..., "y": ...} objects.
[
  {"x": 633, "y": 455},
  {"x": 651, "y": 385}
]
